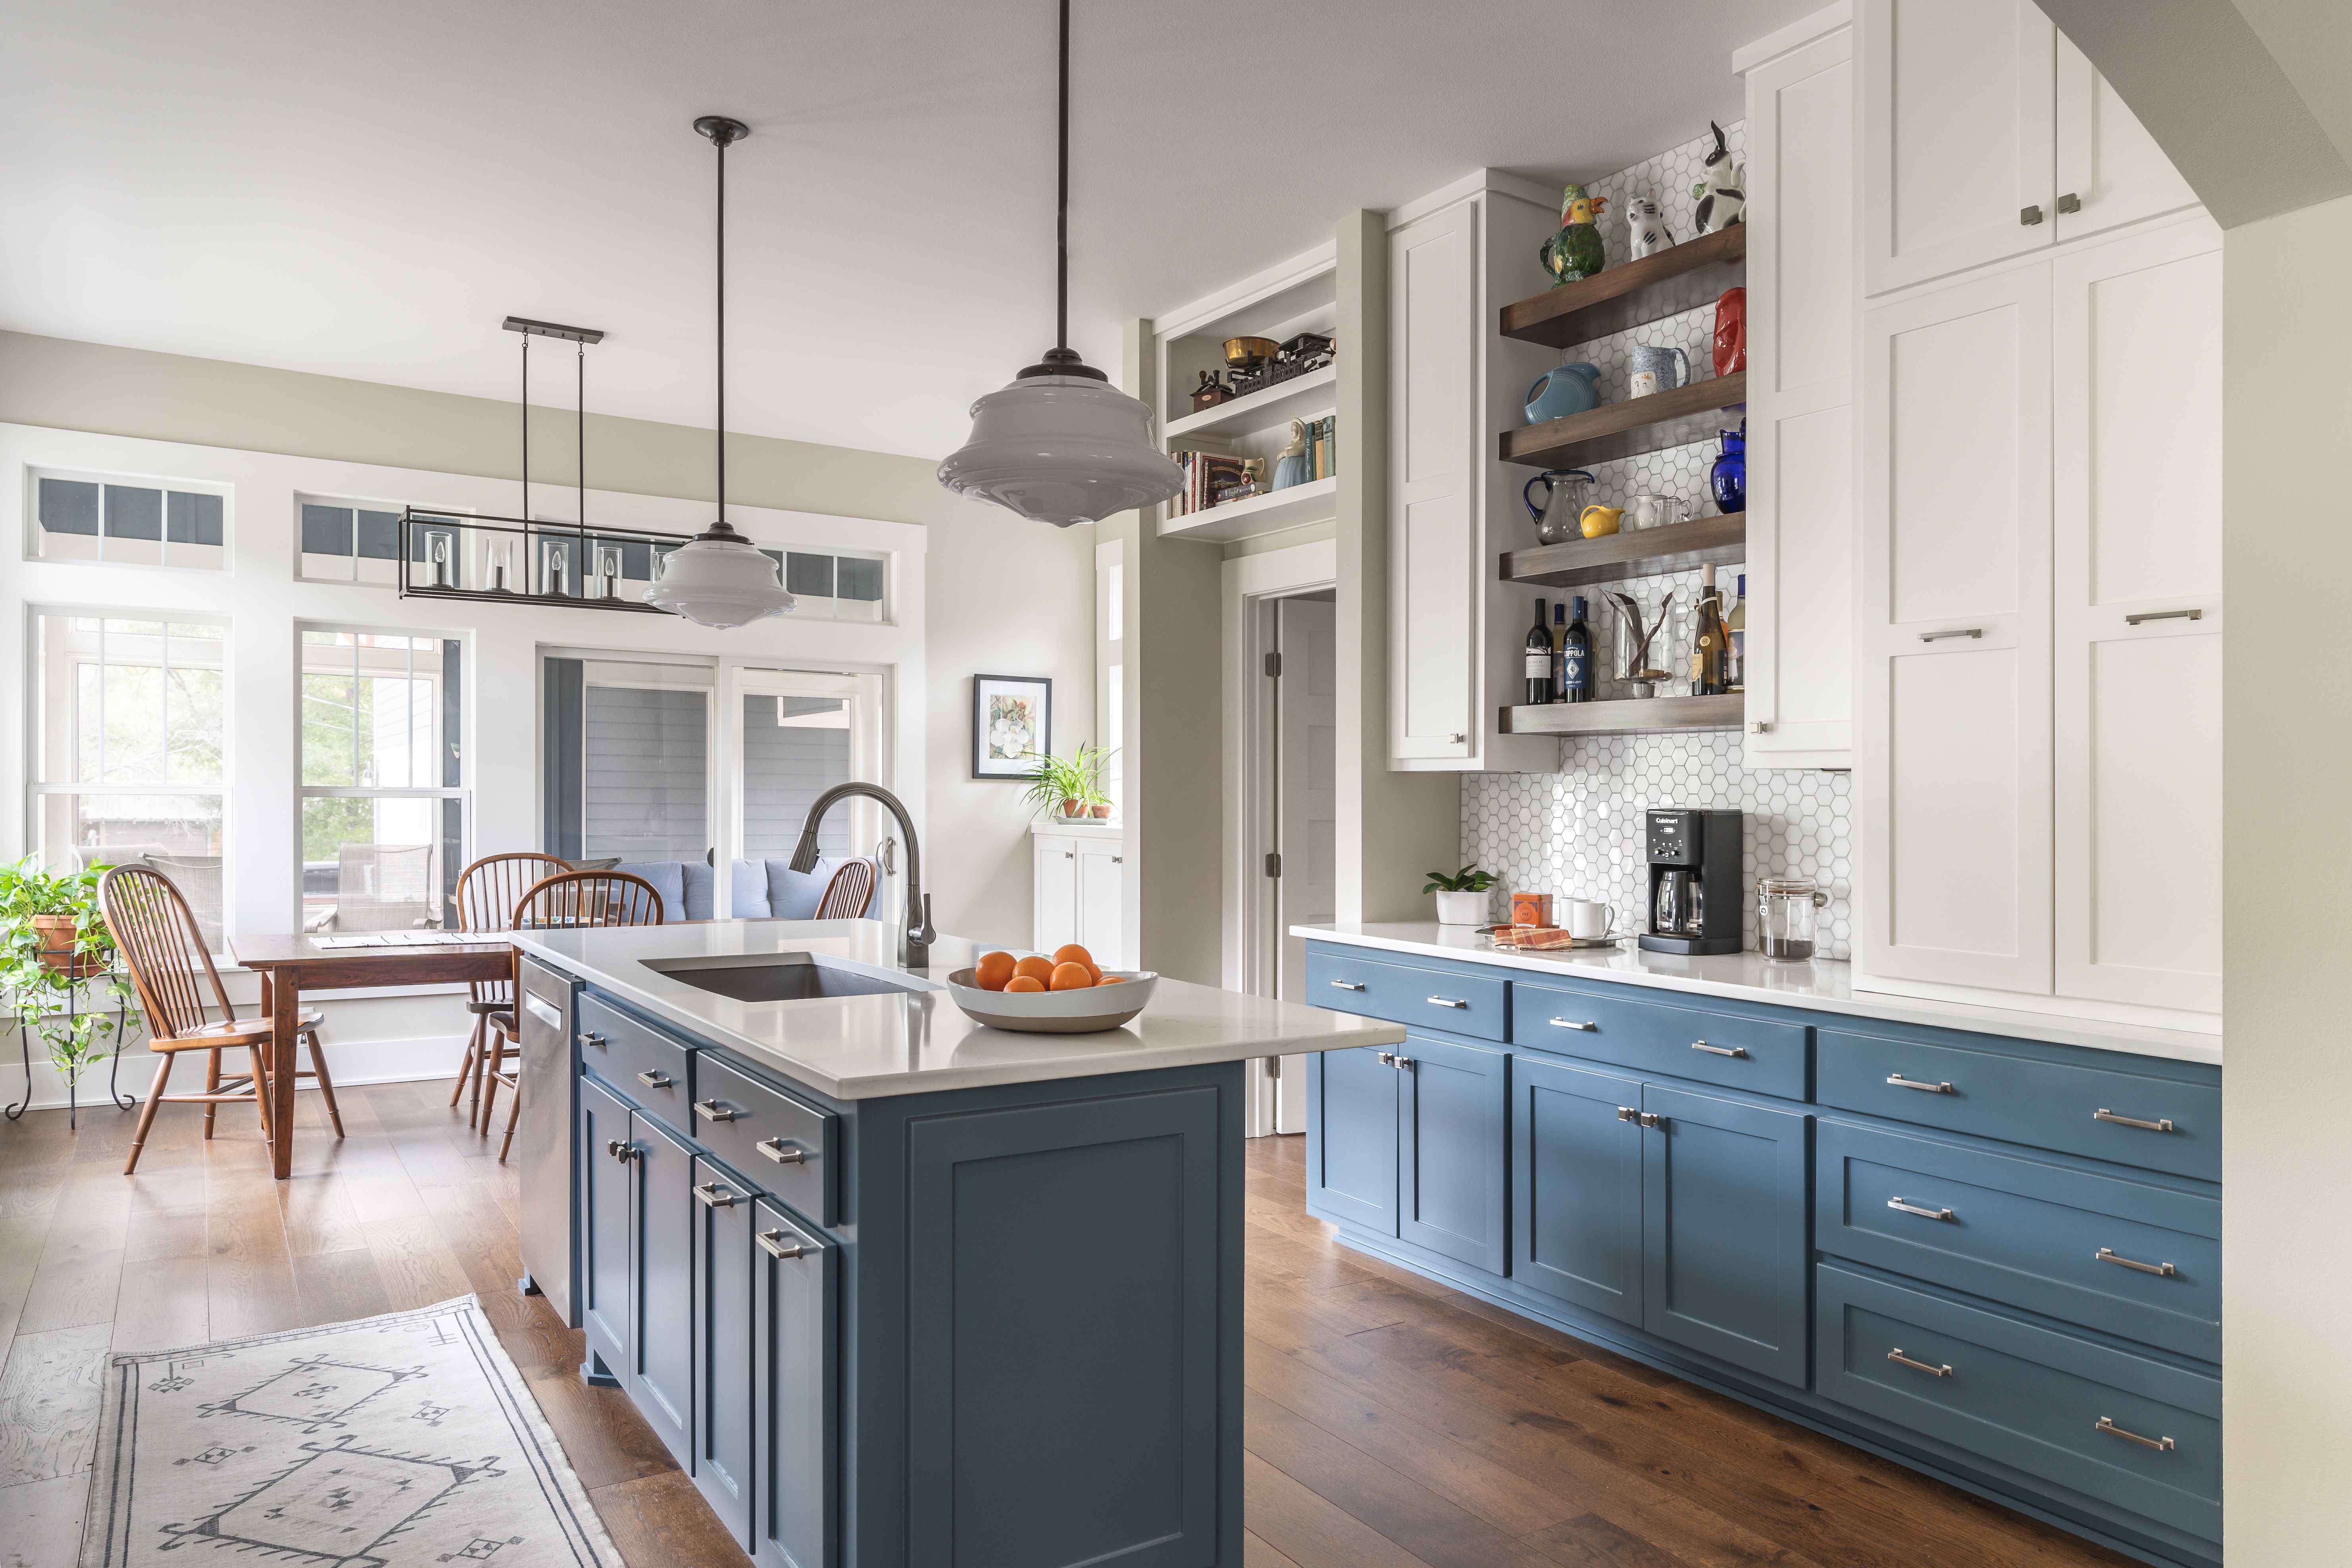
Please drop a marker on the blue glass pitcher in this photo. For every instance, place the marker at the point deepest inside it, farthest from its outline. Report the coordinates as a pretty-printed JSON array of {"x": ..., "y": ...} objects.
[{"x": 1728, "y": 477}]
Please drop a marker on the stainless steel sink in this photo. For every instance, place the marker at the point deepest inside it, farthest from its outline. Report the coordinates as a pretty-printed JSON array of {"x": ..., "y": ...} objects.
[{"x": 776, "y": 978}]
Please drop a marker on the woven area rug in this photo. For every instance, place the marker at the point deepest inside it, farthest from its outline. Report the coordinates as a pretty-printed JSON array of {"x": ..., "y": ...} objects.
[{"x": 392, "y": 1442}]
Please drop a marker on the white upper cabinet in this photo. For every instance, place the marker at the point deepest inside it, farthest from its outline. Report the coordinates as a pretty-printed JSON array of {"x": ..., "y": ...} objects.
[
  {"x": 1960, "y": 110},
  {"x": 2110, "y": 170},
  {"x": 1801, "y": 346},
  {"x": 1953, "y": 746},
  {"x": 2136, "y": 345}
]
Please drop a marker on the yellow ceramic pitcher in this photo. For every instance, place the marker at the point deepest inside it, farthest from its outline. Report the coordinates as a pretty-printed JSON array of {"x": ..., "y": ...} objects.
[{"x": 1597, "y": 521}]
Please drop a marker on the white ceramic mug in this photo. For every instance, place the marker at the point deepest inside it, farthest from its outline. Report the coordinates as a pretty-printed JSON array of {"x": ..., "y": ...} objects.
[
  {"x": 1588, "y": 920},
  {"x": 1654, "y": 510}
]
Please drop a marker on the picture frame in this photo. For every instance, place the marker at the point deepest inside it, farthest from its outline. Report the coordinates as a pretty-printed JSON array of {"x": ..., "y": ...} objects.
[{"x": 1012, "y": 716}]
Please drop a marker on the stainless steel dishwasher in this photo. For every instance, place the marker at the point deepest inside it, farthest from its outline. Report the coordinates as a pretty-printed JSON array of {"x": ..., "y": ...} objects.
[{"x": 543, "y": 1140}]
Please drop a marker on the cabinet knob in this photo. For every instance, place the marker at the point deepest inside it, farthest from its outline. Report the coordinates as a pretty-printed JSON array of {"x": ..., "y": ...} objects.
[
  {"x": 1119, "y": 860},
  {"x": 1653, "y": 1120},
  {"x": 2070, "y": 203},
  {"x": 2029, "y": 216},
  {"x": 1627, "y": 1113},
  {"x": 1459, "y": 739},
  {"x": 620, "y": 1150},
  {"x": 1759, "y": 726}
]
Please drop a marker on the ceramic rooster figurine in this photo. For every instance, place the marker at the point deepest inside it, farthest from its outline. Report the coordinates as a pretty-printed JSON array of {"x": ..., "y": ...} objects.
[{"x": 1575, "y": 251}]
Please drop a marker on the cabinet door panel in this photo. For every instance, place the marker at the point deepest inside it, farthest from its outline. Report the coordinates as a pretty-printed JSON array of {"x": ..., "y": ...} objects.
[
  {"x": 1351, "y": 1138},
  {"x": 1725, "y": 1216},
  {"x": 1102, "y": 874},
  {"x": 1451, "y": 1151},
  {"x": 722, "y": 1346},
  {"x": 661, "y": 1286},
  {"x": 605, "y": 1216},
  {"x": 1576, "y": 1186},
  {"x": 1434, "y": 455},
  {"x": 1958, "y": 114},
  {"x": 1054, "y": 909},
  {"x": 2106, "y": 159},
  {"x": 794, "y": 1375}
]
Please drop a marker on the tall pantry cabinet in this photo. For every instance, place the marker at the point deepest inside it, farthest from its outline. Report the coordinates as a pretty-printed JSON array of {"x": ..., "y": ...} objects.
[{"x": 2038, "y": 607}]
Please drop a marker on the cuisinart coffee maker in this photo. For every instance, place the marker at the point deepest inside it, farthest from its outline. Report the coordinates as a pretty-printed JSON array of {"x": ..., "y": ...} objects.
[{"x": 1695, "y": 877}]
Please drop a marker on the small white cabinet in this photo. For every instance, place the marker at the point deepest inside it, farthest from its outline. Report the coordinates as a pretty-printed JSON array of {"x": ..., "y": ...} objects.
[
  {"x": 1080, "y": 871},
  {"x": 1800, "y": 345}
]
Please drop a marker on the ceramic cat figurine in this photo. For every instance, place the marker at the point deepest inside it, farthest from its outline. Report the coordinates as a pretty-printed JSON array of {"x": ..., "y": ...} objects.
[
  {"x": 1720, "y": 194},
  {"x": 1645, "y": 227}
]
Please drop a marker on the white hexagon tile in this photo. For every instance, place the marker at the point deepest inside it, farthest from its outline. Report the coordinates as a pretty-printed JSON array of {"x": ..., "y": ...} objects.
[{"x": 1578, "y": 831}]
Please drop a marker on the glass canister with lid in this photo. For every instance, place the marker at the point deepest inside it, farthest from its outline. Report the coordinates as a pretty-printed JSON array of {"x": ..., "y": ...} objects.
[{"x": 1785, "y": 910}]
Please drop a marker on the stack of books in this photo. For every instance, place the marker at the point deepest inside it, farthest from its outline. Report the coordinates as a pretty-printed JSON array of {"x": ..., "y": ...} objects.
[
  {"x": 1211, "y": 478},
  {"x": 1322, "y": 453}
]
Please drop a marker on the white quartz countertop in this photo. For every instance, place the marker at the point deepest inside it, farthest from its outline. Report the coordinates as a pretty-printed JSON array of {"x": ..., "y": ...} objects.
[
  {"x": 1823, "y": 986},
  {"x": 858, "y": 1047}
]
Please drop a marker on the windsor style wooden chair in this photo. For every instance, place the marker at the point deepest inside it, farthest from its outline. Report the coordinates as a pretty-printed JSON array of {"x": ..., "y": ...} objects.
[
  {"x": 850, "y": 892},
  {"x": 164, "y": 948},
  {"x": 488, "y": 891}
]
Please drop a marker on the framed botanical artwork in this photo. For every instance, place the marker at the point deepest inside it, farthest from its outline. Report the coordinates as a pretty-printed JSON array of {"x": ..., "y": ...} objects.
[{"x": 1011, "y": 717}]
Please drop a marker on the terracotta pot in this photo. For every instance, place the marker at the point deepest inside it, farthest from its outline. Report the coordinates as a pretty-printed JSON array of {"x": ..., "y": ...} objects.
[
  {"x": 56, "y": 937},
  {"x": 1102, "y": 812},
  {"x": 1072, "y": 810}
]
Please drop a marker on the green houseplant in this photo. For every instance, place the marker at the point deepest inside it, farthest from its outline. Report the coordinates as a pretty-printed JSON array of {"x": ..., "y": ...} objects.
[
  {"x": 1071, "y": 787},
  {"x": 1461, "y": 895},
  {"x": 53, "y": 942}
]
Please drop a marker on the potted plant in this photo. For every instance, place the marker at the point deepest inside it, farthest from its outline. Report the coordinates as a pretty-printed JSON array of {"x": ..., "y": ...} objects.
[
  {"x": 1071, "y": 787},
  {"x": 52, "y": 941},
  {"x": 1461, "y": 895}
]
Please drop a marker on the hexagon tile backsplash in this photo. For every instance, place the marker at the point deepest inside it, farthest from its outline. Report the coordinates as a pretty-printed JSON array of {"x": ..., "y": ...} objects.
[{"x": 1578, "y": 831}]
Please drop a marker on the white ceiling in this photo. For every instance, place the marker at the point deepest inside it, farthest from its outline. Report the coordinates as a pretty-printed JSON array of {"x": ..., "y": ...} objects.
[{"x": 366, "y": 190}]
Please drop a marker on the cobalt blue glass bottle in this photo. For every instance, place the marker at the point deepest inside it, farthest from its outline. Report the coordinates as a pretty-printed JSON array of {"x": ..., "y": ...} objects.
[{"x": 1729, "y": 478}]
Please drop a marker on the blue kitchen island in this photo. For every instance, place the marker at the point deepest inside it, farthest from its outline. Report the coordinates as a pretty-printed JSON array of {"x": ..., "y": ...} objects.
[{"x": 893, "y": 1287}]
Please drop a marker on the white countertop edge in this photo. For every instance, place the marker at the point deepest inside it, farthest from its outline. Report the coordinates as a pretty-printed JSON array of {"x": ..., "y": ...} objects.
[{"x": 1821, "y": 987}]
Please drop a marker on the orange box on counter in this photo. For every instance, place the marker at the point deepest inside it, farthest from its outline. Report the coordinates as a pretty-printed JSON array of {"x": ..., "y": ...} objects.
[{"x": 1532, "y": 908}]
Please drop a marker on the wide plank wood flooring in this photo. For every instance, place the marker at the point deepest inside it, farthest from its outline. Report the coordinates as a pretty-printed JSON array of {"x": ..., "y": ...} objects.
[{"x": 1391, "y": 1423}]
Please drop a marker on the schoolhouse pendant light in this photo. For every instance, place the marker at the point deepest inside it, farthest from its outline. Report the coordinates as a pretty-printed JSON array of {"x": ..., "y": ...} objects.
[
  {"x": 1061, "y": 445},
  {"x": 719, "y": 578}
]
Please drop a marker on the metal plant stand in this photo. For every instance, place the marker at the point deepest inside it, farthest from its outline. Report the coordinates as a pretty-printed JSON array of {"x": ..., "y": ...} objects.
[{"x": 23, "y": 1022}]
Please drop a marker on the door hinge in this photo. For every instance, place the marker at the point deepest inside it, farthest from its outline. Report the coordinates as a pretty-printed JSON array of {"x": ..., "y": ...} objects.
[
  {"x": 1273, "y": 864},
  {"x": 1274, "y": 665}
]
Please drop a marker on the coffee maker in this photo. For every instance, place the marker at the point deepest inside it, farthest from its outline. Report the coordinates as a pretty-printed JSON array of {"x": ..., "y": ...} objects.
[{"x": 1694, "y": 880}]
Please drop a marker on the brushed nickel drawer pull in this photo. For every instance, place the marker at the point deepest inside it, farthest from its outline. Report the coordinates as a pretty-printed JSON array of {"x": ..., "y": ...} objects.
[
  {"x": 1627, "y": 1113},
  {"x": 1718, "y": 1050},
  {"x": 715, "y": 1195},
  {"x": 2162, "y": 1445},
  {"x": 1347, "y": 985},
  {"x": 1903, "y": 1205},
  {"x": 2164, "y": 615},
  {"x": 2109, "y": 1255},
  {"x": 654, "y": 1078},
  {"x": 1449, "y": 1002},
  {"x": 1586, "y": 1025},
  {"x": 1971, "y": 632},
  {"x": 1897, "y": 1356},
  {"x": 782, "y": 1152},
  {"x": 715, "y": 1111},
  {"x": 1897, "y": 1080},
  {"x": 2071, "y": 202},
  {"x": 2030, "y": 217},
  {"x": 773, "y": 1244},
  {"x": 1653, "y": 1120},
  {"x": 2162, "y": 1124},
  {"x": 591, "y": 1038}
]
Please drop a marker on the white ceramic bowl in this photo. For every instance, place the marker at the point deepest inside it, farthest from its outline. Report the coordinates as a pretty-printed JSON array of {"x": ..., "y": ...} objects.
[{"x": 1054, "y": 1012}]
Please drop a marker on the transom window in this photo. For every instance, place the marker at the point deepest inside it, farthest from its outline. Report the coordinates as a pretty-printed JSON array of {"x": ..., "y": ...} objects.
[
  {"x": 834, "y": 585},
  {"x": 129, "y": 521},
  {"x": 339, "y": 540},
  {"x": 384, "y": 813}
]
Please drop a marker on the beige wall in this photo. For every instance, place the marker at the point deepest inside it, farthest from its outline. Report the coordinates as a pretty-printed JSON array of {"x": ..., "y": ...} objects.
[
  {"x": 1005, "y": 596},
  {"x": 2287, "y": 1091}
]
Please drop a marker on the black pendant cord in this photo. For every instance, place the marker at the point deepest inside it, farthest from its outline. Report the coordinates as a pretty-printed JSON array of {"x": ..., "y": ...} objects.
[
  {"x": 579, "y": 427},
  {"x": 526, "y": 426},
  {"x": 1062, "y": 201},
  {"x": 721, "y": 143}
]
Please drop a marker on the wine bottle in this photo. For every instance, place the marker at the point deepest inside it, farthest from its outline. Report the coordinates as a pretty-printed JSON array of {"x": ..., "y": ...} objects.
[
  {"x": 1736, "y": 627},
  {"x": 1558, "y": 641},
  {"x": 1539, "y": 670},
  {"x": 1576, "y": 660},
  {"x": 1707, "y": 638}
]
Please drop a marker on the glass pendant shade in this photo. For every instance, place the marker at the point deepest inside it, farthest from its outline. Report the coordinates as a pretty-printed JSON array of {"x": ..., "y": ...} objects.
[
  {"x": 720, "y": 579},
  {"x": 1062, "y": 449}
]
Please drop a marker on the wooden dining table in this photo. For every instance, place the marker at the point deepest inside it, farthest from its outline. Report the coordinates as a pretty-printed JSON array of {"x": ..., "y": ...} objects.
[{"x": 293, "y": 964}]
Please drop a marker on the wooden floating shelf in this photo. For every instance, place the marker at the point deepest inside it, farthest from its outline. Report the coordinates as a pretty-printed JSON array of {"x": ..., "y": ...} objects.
[
  {"x": 1614, "y": 557},
  {"x": 1314, "y": 391},
  {"x": 1680, "y": 278},
  {"x": 1674, "y": 417},
  {"x": 1317, "y": 501},
  {"x": 1628, "y": 716}
]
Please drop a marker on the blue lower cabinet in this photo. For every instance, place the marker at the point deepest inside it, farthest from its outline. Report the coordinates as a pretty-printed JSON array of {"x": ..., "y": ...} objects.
[
  {"x": 1724, "y": 1217},
  {"x": 2137, "y": 1433},
  {"x": 661, "y": 1277},
  {"x": 795, "y": 1386},
  {"x": 607, "y": 1210},
  {"x": 722, "y": 1346},
  {"x": 1576, "y": 1186},
  {"x": 1451, "y": 1150},
  {"x": 1351, "y": 1137}
]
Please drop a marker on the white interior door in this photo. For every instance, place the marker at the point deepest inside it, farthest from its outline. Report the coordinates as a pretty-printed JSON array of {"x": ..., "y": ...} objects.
[
  {"x": 1953, "y": 731},
  {"x": 1307, "y": 806},
  {"x": 1433, "y": 456},
  {"x": 2138, "y": 405},
  {"x": 2110, "y": 170}
]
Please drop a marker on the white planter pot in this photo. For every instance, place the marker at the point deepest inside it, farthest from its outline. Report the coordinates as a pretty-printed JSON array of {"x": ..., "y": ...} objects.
[{"x": 1460, "y": 909}]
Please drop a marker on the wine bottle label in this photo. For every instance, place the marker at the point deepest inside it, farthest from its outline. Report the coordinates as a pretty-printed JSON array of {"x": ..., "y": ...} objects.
[
  {"x": 1539, "y": 667},
  {"x": 1575, "y": 672}
]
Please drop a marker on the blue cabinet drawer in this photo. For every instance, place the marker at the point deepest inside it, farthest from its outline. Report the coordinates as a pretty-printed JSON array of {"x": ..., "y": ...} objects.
[
  {"x": 1443, "y": 999},
  {"x": 2113, "y": 1253},
  {"x": 2135, "y": 1433},
  {"x": 777, "y": 1139},
  {"x": 1732, "y": 1049},
  {"x": 644, "y": 1063},
  {"x": 2107, "y": 1113}
]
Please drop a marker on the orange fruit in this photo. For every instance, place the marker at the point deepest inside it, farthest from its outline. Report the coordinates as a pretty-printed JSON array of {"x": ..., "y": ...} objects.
[
  {"x": 1072, "y": 976},
  {"x": 992, "y": 971},
  {"x": 1071, "y": 953},
  {"x": 1025, "y": 983},
  {"x": 1111, "y": 980},
  {"x": 1040, "y": 969}
]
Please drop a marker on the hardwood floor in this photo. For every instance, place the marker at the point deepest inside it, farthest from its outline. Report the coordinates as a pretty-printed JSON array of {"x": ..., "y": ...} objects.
[{"x": 1391, "y": 1423}]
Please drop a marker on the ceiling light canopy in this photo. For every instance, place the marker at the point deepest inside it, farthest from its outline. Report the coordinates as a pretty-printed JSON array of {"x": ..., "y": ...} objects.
[
  {"x": 719, "y": 578},
  {"x": 1061, "y": 445}
]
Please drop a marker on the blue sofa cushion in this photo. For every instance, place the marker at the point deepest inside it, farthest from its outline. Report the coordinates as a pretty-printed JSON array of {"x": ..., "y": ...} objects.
[
  {"x": 702, "y": 892},
  {"x": 794, "y": 895},
  {"x": 668, "y": 877},
  {"x": 748, "y": 882}
]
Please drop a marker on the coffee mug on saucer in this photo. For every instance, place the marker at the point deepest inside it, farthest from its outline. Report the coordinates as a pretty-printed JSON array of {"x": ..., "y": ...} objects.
[{"x": 1587, "y": 920}]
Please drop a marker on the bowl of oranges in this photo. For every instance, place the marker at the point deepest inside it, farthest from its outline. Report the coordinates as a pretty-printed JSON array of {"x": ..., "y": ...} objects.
[{"x": 1067, "y": 993}]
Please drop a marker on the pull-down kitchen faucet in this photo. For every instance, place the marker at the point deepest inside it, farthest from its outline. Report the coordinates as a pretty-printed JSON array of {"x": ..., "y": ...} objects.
[{"x": 915, "y": 949}]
